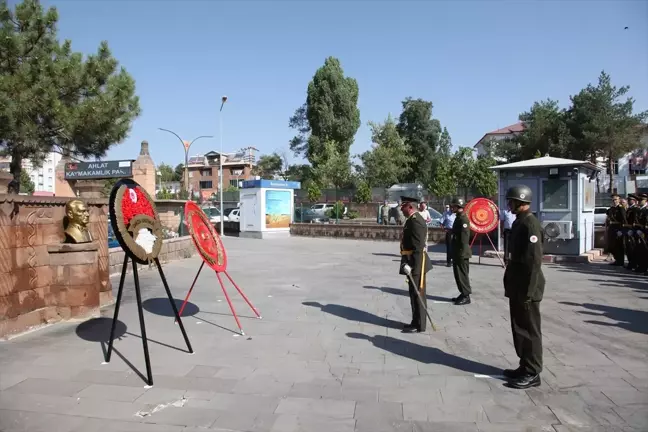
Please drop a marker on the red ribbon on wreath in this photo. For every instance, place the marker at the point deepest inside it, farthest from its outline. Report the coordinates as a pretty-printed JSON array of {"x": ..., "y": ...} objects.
[{"x": 135, "y": 203}]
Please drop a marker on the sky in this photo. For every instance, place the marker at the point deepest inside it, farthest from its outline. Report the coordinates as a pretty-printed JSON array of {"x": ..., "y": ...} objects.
[{"x": 481, "y": 63}]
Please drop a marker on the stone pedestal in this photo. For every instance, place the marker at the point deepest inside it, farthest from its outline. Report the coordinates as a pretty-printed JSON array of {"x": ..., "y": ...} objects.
[
  {"x": 5, "y": 178},
  {"x": 89, "y": 188},
  {"x": 75, "y": 278}
]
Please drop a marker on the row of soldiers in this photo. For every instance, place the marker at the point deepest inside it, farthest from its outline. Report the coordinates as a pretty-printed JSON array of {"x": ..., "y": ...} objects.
[{"x": 627, "y": 232}]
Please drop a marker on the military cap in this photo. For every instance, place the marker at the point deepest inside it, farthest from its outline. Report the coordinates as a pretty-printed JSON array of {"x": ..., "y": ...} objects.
[
  {"x": 643, "y": 196},
  {"x": 633, "y": 196},
  {"x": 406, "y": 199}
]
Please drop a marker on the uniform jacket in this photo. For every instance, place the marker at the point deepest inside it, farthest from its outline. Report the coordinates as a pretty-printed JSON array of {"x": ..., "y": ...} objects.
[
  {"x": 461, "y": 237},
  {"x": 631, "y": 215},
  {"x": 413, "y": 251},
  {"x": 523, "y": 278},
  {"x": 616, "y": 215}
]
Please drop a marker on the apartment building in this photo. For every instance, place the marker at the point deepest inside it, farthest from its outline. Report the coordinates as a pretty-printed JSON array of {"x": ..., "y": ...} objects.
[
  {"x": 203, "y": 171},
  {"x": 42, "y": 176}
]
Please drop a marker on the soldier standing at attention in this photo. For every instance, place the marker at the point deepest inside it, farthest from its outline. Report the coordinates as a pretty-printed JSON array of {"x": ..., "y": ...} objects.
[
  {"x": 641, "y": 249},
  {"x": 384, "y": 213},
  {"x": 616, "y": 218},
  {"x": 414, "y": 254},
  {"x": 631, "y": 219},
  {"x": 524, "y": 286},
  {"x": 461, "y": 252}
]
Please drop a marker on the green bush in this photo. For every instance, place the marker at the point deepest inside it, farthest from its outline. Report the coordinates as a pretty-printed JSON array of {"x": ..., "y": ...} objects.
[
  {"x": 337, "y": 211},
  {"x": 353, "y": 214}
]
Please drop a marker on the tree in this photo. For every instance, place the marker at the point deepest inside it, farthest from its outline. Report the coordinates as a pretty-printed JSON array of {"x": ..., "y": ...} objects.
[
  {"x": 484, "y": 179},
  {"x": 108, "y": 186},
  {"x": 179, "y": 172},
  {"x": 333, "y": 166},
  {"x": 269, "y": 166},
  {"x": 330, "y": 114},
  {"x": 313, "y": 191},
  {"x": 444, "y": 147},
  {"x": 26, "y": 184},
  {"x": 167, "y": 173},
  {"x": 388, "y": 161},
  {"x": 421, "y": 134},
  {"x": 462, "y": 164},
  {"x": 299, "y": 172},
  {"x": 51, "y": 99},
  {"x": 602, "y": 125},
  {"x": 442, "y": 181},
  {"x": 363, "y": 192}
]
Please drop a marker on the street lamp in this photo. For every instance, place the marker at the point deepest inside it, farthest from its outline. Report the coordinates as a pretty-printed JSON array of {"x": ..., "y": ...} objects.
[
  {"x": 220, "y": 163},
  {"x": 186, "y": 145}
]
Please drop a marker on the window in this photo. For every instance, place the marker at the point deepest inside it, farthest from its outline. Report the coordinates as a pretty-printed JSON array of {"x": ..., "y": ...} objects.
[
  {"x": 206, "y": 184},
  {"x": 234, "y": 182},
  {"x": 49, "y": 170},
  {"x": 49, "y": 180},
  {"x": 555, "y": 195},
  {"x": 615, "y": 167},
  {"x": 206, "y": 172}
]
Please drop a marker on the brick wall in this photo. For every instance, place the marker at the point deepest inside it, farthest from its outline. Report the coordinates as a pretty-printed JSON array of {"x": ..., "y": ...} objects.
[
  {"x": 28, "y": 225},
  {"x": 359, "y": 232},
  {"x": 172, "y": 249}
]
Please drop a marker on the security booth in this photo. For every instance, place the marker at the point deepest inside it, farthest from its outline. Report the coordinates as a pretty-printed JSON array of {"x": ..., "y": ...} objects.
[
  {"x": 267, "y": 208},
  {"x": 564, "y": 197}
]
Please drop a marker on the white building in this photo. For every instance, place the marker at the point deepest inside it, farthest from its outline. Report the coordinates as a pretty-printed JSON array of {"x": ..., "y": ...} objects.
[
  {"x": 43, "y": 176},
  {"x": 498, "y": 135}
]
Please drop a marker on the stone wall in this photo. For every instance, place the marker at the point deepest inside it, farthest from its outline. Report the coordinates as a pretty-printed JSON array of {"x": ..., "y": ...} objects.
[
  {"x": 360, "y": 232},
  {"x": 29, "y": 292},
  {"x": 172, "y": 249},
  {"x": 170, "y": 212}
]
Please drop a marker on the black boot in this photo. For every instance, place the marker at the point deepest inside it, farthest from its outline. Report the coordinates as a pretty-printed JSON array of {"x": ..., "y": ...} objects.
[
  {"x": 462, "y": 300},
  {"x": 524, "y": 381},
  {"x": 513, "y": 373}
]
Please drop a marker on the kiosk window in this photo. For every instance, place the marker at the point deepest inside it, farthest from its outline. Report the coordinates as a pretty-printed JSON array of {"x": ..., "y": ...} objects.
[{"x": 555, "y": 194}]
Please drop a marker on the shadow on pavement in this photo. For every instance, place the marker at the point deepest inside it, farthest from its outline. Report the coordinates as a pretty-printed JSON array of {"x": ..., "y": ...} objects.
[
  {"x": 98, "y": 330},
  {"x": 427, "y": 355},
  {"x": 628, "y": 319},
  {"x": 353, "y": 314},
  {"x": 161, "y": 306},
  {"x": 405, "y": 293},
  {"x": 385, "y": 254}
]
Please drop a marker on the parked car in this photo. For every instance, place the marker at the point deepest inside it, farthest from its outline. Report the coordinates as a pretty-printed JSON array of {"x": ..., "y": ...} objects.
[
  {"x": 600, "y": 215},
  {"x": 437, "y": 218},
  {"x": 214, "y": 214},
  {"x": 233, "y": 214},
  {"x": 317, "y": 213}
]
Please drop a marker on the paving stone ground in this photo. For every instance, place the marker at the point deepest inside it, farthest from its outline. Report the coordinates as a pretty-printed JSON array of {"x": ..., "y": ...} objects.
[{"x": 329, "y": 355}]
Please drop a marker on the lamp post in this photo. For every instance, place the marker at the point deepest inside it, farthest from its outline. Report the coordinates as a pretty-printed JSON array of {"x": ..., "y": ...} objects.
[
  {"x": 220, "y": 163},
  {"x": 186, "y": 145}
]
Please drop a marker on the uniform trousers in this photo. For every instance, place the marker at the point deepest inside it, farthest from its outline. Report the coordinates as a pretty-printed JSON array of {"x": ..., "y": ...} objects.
[
  {"x": 507, "y": 237},
  {"x": 461, "y": 269},
  {"x": 615, "y": 243},
  {"x": 527, "y": 334},
  {"x": 418, "y": 315},
  {"x": 448, "y": 243}
]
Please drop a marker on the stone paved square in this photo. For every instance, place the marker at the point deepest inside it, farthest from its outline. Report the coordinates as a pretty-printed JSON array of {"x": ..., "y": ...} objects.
[{"x": 329, "y": 354}]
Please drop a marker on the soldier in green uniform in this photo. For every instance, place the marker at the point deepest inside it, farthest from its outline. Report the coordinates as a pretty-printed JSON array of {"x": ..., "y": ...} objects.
[
  {"x": 461, "y": 252},
  {"x": 630, "y": 241},
  {"x": 414, "y": 254},
  {"x": 616, "y": 218},
  {"x": 524, "y": 286}
]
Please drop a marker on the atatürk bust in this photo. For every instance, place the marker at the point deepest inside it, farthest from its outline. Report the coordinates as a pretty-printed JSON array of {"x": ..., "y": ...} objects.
[{"x": 77, "y": 222}]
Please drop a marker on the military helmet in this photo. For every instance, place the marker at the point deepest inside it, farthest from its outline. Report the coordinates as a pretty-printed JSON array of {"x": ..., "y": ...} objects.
[
  {"x": 520, "y": 193},
  {"x": 458, "y": 201}
]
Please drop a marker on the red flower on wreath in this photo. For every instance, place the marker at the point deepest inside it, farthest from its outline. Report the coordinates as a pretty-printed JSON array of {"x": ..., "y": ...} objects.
[{"x": 135, "y": 203}]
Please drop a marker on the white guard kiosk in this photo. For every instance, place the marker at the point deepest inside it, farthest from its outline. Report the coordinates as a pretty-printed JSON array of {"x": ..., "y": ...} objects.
[{"x": 267, "y": 208}]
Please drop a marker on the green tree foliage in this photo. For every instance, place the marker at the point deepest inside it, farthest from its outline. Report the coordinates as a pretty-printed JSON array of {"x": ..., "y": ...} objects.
[
  {"x": 421, "y": 134},
  {"x": 330, "y": 114},
  {"x": 51, "y": 98},
  {"x": 26, "y": 184},
  {"x": 363, "y": 192},
  {"x": 444, "y": 147},
  {"x": 179, "y": 172},
  {"x": 442, "y": 182},
  {"x": 388, "y": 162},
  {"x": 313, "y": 191},
  {"x": 298, "y": 172},
  {"x": 269, "y": 166},
  {"x": 167, "y": 173},
  {"x": 333, "y": 167},
  {"x": 484, "y": 180}
]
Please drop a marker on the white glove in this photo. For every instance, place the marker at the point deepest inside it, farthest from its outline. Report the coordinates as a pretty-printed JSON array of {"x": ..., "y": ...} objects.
[
  {"x": 619, "y": 233},
  {"x": 407, "y": 269}
]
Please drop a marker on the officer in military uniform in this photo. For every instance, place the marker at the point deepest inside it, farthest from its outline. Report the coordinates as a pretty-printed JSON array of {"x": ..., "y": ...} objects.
[
  {"x": 461, "y": 252},
  {"x": 628, "y": 228},
  {"x": 414, "y": 254},
  {"x": 616, "y": 218},
  {"x": 524, "y": 286},
  {"x": 641, "y": 249}
]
